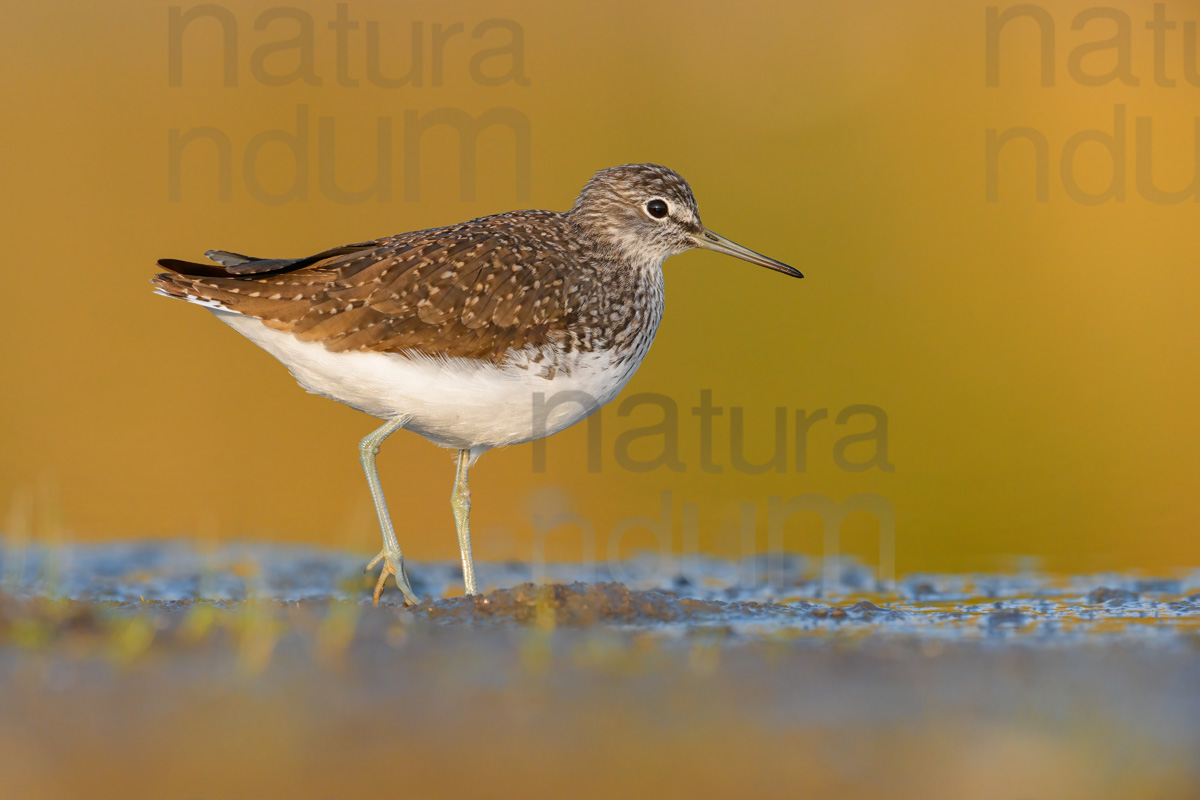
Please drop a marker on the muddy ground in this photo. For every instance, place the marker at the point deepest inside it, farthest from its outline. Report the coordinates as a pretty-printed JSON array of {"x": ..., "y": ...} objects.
[{"x": 155, "y": 671}]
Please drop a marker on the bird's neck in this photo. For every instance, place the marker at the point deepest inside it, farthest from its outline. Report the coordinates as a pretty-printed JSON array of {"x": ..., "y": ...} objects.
[{"x": 612, "y": 243}]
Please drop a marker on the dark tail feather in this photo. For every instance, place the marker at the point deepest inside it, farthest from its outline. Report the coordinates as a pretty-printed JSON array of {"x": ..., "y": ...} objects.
[
  {"x": 236, "y": 265},
  {"x": 193, "y": 269},
  {"x": 228, "y": 259},
  {"x": 228, "y": 266}
]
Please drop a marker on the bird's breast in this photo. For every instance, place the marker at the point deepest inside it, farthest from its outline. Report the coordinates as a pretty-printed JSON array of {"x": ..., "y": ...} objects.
[{"x": 462, "y": 402}]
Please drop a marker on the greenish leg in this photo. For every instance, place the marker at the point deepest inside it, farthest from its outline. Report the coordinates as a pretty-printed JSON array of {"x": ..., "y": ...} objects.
[
  {"x": 392, "y": 558},
  {"x": 460, "y": 502}
]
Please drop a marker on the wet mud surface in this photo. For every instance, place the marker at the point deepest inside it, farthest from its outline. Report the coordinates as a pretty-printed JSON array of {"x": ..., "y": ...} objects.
[{"x": 154, "y": 670}]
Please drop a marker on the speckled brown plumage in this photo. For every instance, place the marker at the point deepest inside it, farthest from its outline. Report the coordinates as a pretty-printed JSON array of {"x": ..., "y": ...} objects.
[
  {"x": 479, "y": 289},
  {"x": 475, "y": 290}
]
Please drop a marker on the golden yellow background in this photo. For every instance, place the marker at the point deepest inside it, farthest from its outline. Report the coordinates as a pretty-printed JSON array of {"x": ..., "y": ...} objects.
[{"x": 1036, "y": 360}]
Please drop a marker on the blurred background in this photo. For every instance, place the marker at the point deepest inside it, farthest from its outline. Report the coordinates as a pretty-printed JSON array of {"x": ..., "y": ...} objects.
[{"x": 1012, "y": 356}]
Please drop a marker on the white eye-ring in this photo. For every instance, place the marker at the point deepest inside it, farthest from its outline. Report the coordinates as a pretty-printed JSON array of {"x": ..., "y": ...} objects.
[{"x": 658, "y": 208}]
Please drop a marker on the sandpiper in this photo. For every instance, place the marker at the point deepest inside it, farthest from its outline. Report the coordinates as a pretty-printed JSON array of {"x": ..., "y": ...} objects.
[{"x": 492, "y": 332}]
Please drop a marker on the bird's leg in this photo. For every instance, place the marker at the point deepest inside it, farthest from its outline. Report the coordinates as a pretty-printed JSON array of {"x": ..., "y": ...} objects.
[
  {"x": 460, "y": 502},
  {"x": 392, "y": 558}
]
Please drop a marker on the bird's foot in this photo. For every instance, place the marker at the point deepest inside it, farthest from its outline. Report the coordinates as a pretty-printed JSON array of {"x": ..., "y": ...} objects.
[{"x": 393, "y": 564}]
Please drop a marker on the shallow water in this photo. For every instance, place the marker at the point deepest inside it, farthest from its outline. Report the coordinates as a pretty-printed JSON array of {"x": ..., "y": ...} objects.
[
  {"x": 156, "y": 670},
  {"x": 756, "y": 598}
]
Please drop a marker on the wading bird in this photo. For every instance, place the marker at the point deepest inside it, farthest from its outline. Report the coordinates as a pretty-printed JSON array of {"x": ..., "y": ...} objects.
[{"x": 492, "y": 332}]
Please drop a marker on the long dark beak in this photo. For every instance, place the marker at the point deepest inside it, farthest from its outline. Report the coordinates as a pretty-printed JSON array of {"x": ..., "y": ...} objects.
[{"x": 711, "y": 241}]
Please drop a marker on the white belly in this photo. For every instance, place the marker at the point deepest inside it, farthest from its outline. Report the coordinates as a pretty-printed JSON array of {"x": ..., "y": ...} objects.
[{"x": 453, "y": 402}]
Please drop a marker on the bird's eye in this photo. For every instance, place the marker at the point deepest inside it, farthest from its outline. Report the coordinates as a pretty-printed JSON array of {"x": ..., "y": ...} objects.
[{"x": 657, "y": 208}]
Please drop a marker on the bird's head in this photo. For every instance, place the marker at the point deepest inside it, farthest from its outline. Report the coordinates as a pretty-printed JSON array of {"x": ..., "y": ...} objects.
[{"x": 646, "y": 213}]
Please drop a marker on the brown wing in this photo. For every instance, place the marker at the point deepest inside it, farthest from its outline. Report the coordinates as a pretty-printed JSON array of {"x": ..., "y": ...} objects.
[{"x": 474, "y": 290}]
